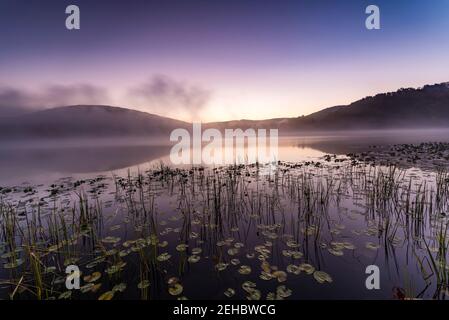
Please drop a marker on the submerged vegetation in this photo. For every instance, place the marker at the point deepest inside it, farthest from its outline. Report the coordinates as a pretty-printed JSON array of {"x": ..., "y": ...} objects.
[
  {"x": 428, "y": 155},
  {"x": 293, "y": 230}
]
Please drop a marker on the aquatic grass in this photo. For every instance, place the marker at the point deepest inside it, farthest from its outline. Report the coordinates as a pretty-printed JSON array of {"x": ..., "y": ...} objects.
[{"x": 233, "y": 220}]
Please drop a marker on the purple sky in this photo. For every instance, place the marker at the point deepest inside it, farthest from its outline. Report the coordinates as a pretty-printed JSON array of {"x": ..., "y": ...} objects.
[{"x": 218, "y": 60}]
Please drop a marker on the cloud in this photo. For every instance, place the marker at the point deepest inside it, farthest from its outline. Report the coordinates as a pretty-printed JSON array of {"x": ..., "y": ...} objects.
[
  {"x": 161, "y": 95},
  {"x": 164, "y": 95},
  {"x": 15, "y": 101},
  {"x": 58, "y": 95},
  {"x": 11, "y": 98}
]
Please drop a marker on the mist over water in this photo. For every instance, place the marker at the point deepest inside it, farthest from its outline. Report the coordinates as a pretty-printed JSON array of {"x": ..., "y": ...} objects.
[
  {"x": 41, "y": 160},
  {"x": 226, "y": 150},
  {"x": 336, "y": 232}
]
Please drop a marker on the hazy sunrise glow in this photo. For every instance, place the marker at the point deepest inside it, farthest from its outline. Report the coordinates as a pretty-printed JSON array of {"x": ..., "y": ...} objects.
[{"x": 239, "y": 59}]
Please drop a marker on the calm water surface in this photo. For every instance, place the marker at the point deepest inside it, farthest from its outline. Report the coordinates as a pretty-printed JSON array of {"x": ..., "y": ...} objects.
[{"x": 299, "y": 231}]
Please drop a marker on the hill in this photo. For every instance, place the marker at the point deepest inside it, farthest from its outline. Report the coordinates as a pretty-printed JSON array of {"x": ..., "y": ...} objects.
[
  {"x": 426, "y": 107},
  {"x": 87, "y": 121}
]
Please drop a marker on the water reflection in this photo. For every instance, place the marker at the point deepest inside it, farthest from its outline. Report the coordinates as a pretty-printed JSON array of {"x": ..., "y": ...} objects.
[
  {"x": 42, "y": 161},
  {"x": 307, "y": 230}
]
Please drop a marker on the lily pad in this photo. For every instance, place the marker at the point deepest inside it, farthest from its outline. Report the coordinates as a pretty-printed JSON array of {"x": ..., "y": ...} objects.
[
  {"x": 235, "y": 261},
  {"x": 281, "y": 276},
  {"x": 248, "y": 286},
  {"x": 65, "y": 295},
  {"x": 163, "y": 257},
  {"x": 111, "y": 240},
  {"x": 143, "y": 284},
  {"x": 229, "y": 292},
  {"x": 93, "y": 277},
  {"x": 181, "y": 247},
  {"x": 372, "y": 246},
  {"x": 291, "y": 268},
  {"x": 334, "y": 252},
  {"x": 221, "y": 266},
  {"x": 194, "y": 259},
  {"x": 283, "y": 292},
  {"x": 244, "y": 269},
  {"x": 108, "y": 295},
  {"x": 115, "y": 268},
  {"x": 307, "y": 268},
  {"x": 163, "y": 244},
  {"x": 175, "y": 289},
  {"x": 254, "y": 295},
  {"x": 349, "y": 245},
  {"x": 119, "y": 287},
  {"x": 322, "y": 277},
  {"x": 86, "y": 288}
]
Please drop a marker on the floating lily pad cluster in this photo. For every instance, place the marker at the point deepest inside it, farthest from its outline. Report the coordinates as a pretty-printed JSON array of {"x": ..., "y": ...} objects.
[{"x": 218, "y": 232}]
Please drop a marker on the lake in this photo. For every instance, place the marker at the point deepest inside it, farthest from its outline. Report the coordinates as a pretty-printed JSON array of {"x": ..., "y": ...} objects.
[{"x": 306, "y": 228}]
